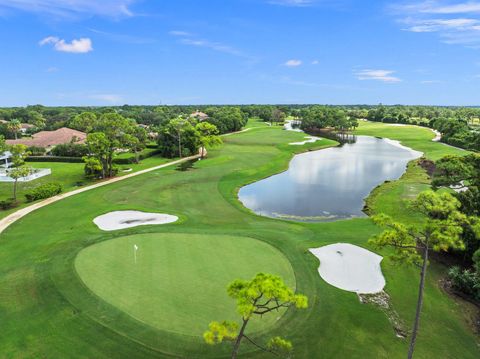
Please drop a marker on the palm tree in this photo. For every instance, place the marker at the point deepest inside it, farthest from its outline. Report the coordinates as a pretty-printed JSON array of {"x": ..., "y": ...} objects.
[{"x": 14, "y": 126}]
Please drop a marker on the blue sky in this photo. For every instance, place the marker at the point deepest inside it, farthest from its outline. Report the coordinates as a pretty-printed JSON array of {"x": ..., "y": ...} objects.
[{"x": 112, "y": 52}]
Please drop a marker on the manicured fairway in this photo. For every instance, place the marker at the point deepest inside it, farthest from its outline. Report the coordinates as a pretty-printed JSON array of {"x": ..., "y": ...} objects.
[
  {"x": 47, "y": 311},
  {"x": 418, "y": 138},
  {"x": 179, "y": 281}
]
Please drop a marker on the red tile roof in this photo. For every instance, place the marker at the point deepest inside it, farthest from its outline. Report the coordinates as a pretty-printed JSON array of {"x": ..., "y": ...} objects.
[
  {"x": 200, "y": 115},
  {"x": 51, "y": 138}
]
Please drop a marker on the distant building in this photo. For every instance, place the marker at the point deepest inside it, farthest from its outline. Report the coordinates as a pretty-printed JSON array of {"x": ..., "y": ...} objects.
[
  {"x": 25, "y": 127},
  {"x": 4, "y": 157},
  {"x": 201, "y": 116},
  {"x": 49, "y": 139},
  {"x": 5, "y": 167}
]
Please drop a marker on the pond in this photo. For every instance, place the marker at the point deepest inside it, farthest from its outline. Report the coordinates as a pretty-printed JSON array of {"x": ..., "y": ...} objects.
[{"x": 329, "y": 184}]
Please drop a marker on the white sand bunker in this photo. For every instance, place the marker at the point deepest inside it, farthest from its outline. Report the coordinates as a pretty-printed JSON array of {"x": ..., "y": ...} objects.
[
  {"x": 126, "y": 219},
  {"x": 350, "y": 268},
  {"x": 308, "y": 139}
]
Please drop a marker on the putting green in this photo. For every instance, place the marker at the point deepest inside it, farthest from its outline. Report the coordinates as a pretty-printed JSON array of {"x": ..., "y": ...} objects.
[{"x": 179, "y": 280}]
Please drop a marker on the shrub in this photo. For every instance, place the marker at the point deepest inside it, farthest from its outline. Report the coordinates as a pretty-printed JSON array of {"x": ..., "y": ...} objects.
[
  {"x": 36, "y": 151},
  {"x": 70, "y": 150},
  {"x": 43, "y": 191},
  {"x": 8, "y": 203},
  {"x": 465, "y": 281},
  {"x": 93, "y": 168}
]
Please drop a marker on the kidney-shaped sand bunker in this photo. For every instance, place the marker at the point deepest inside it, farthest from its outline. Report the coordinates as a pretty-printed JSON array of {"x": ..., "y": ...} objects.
[
  {"x": 126, "y": 219},
  {"x": 350, "y": 268}
]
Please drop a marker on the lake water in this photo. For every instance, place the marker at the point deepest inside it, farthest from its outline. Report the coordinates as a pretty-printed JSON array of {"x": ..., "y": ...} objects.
[{"x": 329, "y": 184}]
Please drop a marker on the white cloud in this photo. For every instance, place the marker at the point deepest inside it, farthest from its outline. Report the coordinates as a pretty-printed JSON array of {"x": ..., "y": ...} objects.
[
  {"x": 129, "y": 39},
  {"x": 293, "y": 63},
  {"x": 315, "y": 62},
  {"x": 455, "y": 23},
  {"x": 377, "y": 75},
  {"x": 213, "y": 46},
  {"x": 180, "y": 33},
  {"x": 80, "y": 46},
  {"x": 293, "y": 3},
  {"x": 71, "y": 8},
  {"x": 187, "y": 38},
  {"x": 436, "y": 25},
  {"x": 442, "y": 7}
]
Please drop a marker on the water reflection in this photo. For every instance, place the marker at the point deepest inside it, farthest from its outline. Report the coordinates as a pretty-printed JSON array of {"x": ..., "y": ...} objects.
[{"x": 328, "y": 184}]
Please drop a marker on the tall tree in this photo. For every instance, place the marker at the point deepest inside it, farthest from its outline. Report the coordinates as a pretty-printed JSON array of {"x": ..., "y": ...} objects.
[
  {"x": 463, "y": 174},
  {"x": 19, "y": 154},
  {"x": 36, "y": 119},
  {"x": 263, "y": 294},
  {"x": 100, "y": 149},
  {"x": 85, "y": 121},
  {"x": 178, "y": 138},
  {"x": 440, "y": 231},
  {"x": 110, "y": 133},
  {"x": 208, "y": 136},
  {"x": 179, "y": 126},
  {"x": 14, "y": 126},
  {"x": 137, "y": 141},
  {"x": 278, "y": 116}
]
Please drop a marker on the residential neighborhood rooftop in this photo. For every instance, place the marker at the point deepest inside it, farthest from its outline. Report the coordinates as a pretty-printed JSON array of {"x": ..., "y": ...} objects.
[{"x": 48, "y": 139}]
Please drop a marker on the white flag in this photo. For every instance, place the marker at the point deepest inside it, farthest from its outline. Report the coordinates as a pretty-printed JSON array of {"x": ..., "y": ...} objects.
[{"x": 136, "y": 247}]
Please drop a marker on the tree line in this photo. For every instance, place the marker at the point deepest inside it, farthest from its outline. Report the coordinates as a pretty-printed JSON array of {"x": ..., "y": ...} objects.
[{"x": 459, "y": 125}]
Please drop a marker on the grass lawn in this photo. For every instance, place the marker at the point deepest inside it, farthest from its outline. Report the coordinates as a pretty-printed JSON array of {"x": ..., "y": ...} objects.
[
  {"x": 170, "y": 272},
  {"x": 46, "y": 310},
  {"x": 70, "y": 175},
  {"x": 418, "y": 138}
]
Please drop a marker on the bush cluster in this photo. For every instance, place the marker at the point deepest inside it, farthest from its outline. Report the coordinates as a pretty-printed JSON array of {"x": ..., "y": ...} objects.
[
  {"x": 70, "y": 150},
  {"x": 465, "y": 281},
  {"x": 36, "y": 151},
  {"x": 43, "y": 191},
  {"x": 8, "y": 203}
]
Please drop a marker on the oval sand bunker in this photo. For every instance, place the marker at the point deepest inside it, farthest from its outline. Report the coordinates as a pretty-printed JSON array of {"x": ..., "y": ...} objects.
[
  {"x": 350, "y": 268},
  {"x": 126, "y": 219}
]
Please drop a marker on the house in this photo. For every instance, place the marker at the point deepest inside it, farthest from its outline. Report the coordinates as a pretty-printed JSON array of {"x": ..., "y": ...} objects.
[
  {"x": 24, "y": 127},
  {"x": 49, "y": 139},
  {"x": 5, "y": 168},
  {"x": 4, "y": 157},
  {"x": 201, "y": 116}
]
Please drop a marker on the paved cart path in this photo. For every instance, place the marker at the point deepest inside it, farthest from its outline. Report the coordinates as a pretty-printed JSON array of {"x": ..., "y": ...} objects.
[{"x": 15, "y": 216}]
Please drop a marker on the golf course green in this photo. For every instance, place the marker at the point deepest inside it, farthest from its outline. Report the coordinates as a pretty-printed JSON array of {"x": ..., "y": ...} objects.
[
  {"x": 68, "y": 289},
  {"x": 161, "y": 286}
]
